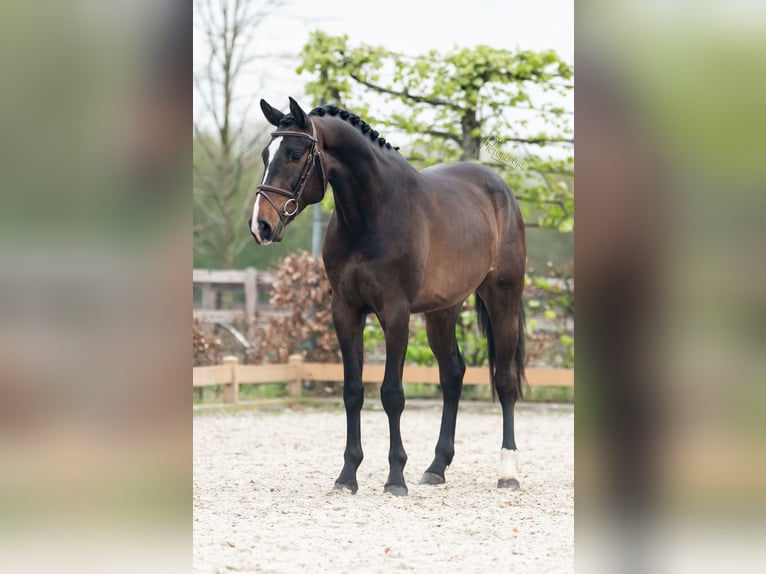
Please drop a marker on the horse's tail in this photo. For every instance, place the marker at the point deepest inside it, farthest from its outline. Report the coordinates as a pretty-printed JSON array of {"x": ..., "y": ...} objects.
[{"x": 485, "y": 326}]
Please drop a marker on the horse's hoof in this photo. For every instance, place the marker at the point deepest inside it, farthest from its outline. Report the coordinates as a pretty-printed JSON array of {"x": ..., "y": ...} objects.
[
  {"x": 511, "y": 483},
  {"x": 396, "y": 489},
  {"x": 350, "y": 486},
  {"x": 431, "y": 478}
]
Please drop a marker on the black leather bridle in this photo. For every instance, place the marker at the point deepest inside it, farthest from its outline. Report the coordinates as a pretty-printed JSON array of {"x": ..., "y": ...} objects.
[{"x": 314, "y": 157}]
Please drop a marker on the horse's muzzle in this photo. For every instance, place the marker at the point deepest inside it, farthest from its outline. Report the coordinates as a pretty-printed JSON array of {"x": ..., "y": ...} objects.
[
  {"x": 250, "y": 229},
  {"x": 264, "y": 230},
  {"x": 265, "y": 234}
]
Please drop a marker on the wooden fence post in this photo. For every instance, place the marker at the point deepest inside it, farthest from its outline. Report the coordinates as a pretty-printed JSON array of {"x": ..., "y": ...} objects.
[
  {"x": 231, "y": 390},
  {"x": 251, "y": 300},
  {"x": 294, "y": 387},
  {"x": 209, "y": 299}
]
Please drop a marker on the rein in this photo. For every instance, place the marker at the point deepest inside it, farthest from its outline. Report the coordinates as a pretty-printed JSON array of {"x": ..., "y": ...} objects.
[{"x": 293, "y": 196}]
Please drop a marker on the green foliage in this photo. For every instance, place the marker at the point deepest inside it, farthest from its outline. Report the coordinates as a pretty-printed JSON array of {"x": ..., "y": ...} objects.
[
  {"x": 455, "y": 104},
  {"x": 549, "y": 394},
  {"x": 472, "y": 344},
  {"x": 418, "y": 350},
  {"x": 551, "y": 299},
  {"x": 545, "y": 190},
  {"x": 479, "y": 78}
]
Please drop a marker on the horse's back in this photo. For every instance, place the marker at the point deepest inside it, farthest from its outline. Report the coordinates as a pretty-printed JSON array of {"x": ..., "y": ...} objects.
[
  {"x": 465, "y": 183},
  {"x": 474, "y": 173}
]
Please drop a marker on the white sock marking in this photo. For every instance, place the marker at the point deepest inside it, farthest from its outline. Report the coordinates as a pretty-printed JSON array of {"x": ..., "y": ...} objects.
[{"x": 509, "y": 464}]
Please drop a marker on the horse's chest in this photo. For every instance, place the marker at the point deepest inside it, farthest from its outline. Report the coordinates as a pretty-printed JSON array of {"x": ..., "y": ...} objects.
[{"x": 359, "y": 286}]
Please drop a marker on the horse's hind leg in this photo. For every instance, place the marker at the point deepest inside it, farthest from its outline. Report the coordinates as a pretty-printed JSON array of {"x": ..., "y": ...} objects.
[
  {"x": 503, "y": 306},
  {"x": 440, "y": 327}
]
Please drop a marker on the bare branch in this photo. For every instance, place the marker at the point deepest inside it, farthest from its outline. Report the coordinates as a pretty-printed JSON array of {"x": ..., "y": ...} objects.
[
  {"x": 212, "y": 216},
  {"x": 543, "y": 110},
  {"x": 211, "y": 187},
  {"x": 540, "y": 141},
  {"x": 406, "y": 94},
  {"x": 201, "y": 139},
  {"x": 442, "y": 134},
  {"x": 549, "y": 172},
  {"x": 208, "y": 100}
]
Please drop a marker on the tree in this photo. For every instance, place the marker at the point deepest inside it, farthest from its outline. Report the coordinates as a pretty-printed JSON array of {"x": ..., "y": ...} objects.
[
  {"x": 456, "y": 104},
  {"x": 224, "y": 162}
]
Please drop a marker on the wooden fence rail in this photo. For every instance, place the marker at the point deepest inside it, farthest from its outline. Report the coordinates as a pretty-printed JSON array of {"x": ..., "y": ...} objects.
[{"x": 232, "y": 374}]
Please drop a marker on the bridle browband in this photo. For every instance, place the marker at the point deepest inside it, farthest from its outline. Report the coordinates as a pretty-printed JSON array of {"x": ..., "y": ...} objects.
[{"x": 293, "y": 196}]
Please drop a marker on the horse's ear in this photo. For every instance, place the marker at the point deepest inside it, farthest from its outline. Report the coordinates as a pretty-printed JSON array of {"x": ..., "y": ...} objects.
[
  {"x": 298, "y": 114},
  {"x": 274, "y": 116}
]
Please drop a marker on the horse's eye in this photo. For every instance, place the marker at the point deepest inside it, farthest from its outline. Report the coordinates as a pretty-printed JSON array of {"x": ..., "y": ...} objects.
[{"x": 296, "y": 156}]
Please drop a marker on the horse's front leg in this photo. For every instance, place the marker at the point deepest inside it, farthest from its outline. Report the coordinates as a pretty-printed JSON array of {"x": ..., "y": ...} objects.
[
  {"x": 396, "y": 327},
  {"x": 349, "y": 328}
]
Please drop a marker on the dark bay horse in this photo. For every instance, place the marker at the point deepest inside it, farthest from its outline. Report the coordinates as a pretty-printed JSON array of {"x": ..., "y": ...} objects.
[{"x": 402, "y": 241}]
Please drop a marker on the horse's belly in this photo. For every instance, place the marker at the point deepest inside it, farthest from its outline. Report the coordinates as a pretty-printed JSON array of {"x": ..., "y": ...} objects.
[
  {"x": 449, "y": 283},
  {"x": 460, "y": 250}
]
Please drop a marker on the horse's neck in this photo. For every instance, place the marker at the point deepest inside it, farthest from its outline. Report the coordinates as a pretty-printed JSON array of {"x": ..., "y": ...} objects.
[
  {"x": 363, "y": 177},
  {"x": 358, "y": 184}
]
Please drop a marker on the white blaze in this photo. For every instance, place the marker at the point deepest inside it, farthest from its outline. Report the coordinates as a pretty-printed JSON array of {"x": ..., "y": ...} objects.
[
  {"x": 271, "y": 152},
  {"x": 509, "y": 464}
]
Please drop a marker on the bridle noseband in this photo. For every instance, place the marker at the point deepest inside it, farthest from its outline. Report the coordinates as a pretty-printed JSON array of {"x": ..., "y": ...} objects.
[{"x": 293, "y": 196}]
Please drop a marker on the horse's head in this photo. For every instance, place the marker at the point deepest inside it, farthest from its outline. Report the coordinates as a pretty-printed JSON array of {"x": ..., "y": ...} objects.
[{"x": 293, "y": 176}]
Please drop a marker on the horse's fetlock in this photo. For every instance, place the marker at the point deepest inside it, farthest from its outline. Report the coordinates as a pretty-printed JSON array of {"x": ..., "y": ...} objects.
[
  {"x": 397, "y": 458},
  {"x": 354, "y": 456}
]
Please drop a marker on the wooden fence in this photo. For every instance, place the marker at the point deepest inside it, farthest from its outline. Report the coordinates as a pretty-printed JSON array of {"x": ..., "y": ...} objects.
[
  {"x": 250, "y": 281},
  {"x": 232, "y": 374}
]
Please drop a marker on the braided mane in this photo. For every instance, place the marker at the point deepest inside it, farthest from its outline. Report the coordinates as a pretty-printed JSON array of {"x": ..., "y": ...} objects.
[{"x": 354, "y": 120}]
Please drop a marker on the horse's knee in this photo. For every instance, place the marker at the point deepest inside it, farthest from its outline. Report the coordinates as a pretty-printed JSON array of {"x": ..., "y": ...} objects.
[
  {"x": 392, "y": 397},
  {"x": 353, "y": 396}
]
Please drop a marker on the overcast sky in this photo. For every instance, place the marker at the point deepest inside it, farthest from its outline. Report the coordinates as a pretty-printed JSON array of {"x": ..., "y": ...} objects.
[{"x": 407, "y": 26}]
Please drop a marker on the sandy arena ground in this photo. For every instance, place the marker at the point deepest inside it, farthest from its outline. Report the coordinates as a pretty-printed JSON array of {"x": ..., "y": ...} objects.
[{"x": 263, "y": 499}]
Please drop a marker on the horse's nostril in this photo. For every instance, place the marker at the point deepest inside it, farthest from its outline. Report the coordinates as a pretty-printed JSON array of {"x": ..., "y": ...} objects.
[{"x": 264, "y": 228}]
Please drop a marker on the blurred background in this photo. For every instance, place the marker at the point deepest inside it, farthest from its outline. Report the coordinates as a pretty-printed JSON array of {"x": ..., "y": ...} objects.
[
  {"x": 95, "y": 252},
  {"x": 670, "y": 420}
]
